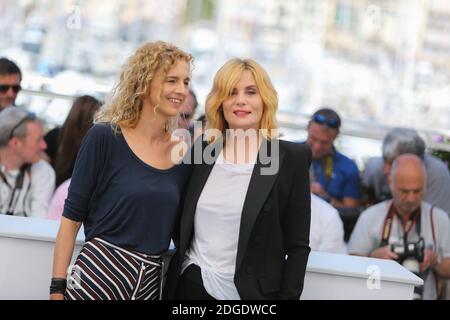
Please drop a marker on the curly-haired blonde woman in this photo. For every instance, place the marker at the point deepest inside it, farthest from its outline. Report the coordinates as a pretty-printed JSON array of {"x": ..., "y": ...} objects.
[{"x": 126, "y": 189}]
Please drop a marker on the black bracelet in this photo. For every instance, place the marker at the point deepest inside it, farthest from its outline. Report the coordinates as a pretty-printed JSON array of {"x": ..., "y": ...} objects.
[{"x": 58, "y": 285}]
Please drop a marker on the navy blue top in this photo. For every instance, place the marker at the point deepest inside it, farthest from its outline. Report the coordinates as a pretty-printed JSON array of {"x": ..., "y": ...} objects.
[{"x": 120, "y": 198}]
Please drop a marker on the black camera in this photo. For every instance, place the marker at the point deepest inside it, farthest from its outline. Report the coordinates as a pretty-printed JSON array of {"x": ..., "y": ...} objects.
[
  {"x": 405, "y": 250},
  {"x": 410, "y": 254}
]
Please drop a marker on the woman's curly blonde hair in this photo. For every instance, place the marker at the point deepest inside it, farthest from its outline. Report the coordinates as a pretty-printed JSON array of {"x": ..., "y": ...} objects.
[{"x": 123, "y": 106}]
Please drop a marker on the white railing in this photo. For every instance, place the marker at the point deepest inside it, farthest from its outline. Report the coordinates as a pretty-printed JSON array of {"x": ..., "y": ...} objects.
[{"x": 298, "y": 121}]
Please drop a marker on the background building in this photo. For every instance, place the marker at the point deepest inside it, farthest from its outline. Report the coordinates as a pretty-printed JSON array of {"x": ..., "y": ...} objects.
[{"x": 378, "y": 62}]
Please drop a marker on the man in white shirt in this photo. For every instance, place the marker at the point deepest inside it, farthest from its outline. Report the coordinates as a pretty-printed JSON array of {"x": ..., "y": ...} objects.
[
  {"x": 327, "y": 230},
  {"x": 404, "y": 220},
  {"x": 26, "y": 181}
]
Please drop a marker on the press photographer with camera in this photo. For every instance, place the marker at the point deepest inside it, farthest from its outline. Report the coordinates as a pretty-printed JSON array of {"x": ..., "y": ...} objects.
[{"x": 407, "y": 229}]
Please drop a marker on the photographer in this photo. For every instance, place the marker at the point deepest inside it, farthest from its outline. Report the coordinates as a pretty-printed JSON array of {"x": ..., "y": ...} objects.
[
  {"x": 382, "y": 231},
  {"x": 400, "y": 141},
  {"x": 26, "y": 181}
]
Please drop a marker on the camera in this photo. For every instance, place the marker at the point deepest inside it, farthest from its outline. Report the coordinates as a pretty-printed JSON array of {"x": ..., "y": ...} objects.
[
  {"x": 407, "y": 250},
  {"x": 410, "y": 254}
]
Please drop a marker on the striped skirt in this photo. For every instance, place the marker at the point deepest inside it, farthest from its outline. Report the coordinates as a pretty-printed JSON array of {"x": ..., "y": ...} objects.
[{"x": 103, "y": 271}]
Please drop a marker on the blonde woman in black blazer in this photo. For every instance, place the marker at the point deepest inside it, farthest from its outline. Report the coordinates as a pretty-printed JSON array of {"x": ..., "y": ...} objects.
[{"x": 244, "y": 230}]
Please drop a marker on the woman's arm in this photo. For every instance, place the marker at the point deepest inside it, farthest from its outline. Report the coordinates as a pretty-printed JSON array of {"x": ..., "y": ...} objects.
[
  {"x": 88, "y": 168},
  {"x": 65, "y": 242}
]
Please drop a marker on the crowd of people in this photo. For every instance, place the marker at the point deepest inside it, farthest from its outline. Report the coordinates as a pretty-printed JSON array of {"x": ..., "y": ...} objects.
[{"x": 242, "y": 230}]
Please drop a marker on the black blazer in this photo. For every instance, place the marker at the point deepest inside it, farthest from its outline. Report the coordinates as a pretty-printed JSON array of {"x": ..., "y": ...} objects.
[{"x": 275, "y": 222}]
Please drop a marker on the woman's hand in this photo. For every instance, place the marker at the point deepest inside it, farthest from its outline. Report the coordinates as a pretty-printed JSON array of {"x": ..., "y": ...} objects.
[{"x": 57, "y": 296}]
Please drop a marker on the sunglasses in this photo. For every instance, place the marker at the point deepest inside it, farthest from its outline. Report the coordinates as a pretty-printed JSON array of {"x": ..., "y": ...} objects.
[
  {"x": 5, "y": 87},
  {"x": 329, "y": 122},
  {"x": 29, "y": 117}
]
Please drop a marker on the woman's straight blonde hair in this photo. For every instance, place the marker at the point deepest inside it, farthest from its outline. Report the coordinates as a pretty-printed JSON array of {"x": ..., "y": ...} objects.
[
  {"x": 225, "y": 80},
  {"x": 123, "y": 106}
]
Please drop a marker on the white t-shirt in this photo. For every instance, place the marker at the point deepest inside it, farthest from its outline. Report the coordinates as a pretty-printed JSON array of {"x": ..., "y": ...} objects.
[
  {"x": 216, "y": 224},
  {"x": 327, "y": 230},
  {"x": 34, "y": 197}
]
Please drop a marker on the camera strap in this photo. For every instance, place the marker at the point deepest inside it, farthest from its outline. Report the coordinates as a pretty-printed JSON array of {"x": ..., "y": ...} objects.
[
  {"x": 432, "y": 227},
  {"x": 387, "y": 227},
  {"x": 326, "y": 167},
  {"x": 440, "y": 288},
  {"x": 18, "y": 185},
  {"x": 414, "y": 219}
]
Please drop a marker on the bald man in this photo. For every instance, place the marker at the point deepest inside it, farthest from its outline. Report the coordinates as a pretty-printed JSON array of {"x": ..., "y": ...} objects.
[{"x": 385, "y": 224}]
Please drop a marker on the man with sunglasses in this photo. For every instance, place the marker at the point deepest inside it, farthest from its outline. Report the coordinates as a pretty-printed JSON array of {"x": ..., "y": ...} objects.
[
  {"x": 26, "y": 181},
  {"x": 334, "y": 177},
  {"x": 10, "y": 78}
]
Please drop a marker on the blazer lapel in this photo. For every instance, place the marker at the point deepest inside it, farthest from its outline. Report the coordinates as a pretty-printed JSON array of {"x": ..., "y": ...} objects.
[
  {"x": 195, "y": 187},
  {"x": 257, "y": 193}
]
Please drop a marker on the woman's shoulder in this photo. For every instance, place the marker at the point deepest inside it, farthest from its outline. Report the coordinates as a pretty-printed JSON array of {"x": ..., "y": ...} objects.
[
  {"x": 102, "y": 128},
  {"x": 99, "y": 135},
  {"x": 295, "y": 148},
  {"x": 102, "y": 131}
]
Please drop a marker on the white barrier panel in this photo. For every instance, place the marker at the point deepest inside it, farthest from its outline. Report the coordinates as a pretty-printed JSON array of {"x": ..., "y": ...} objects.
[
  {"x": 332, "y": 276},
  {"x": 26, "y": 257}
]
